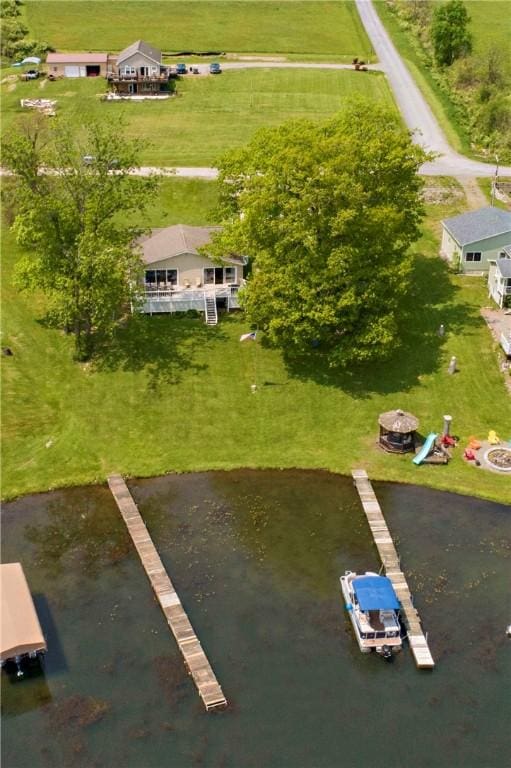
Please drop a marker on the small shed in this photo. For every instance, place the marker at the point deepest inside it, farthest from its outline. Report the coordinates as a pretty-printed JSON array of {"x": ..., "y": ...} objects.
[
  {"x": 398, "y": 431},
  {"x": 22, "y": 635}
]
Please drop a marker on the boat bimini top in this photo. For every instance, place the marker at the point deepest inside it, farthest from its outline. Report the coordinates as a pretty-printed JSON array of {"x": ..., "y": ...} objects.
[{"x": 375, "y": 593}]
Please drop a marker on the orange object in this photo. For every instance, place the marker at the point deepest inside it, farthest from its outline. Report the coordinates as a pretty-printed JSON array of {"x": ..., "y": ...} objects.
[{"x": 474, "y": 443}]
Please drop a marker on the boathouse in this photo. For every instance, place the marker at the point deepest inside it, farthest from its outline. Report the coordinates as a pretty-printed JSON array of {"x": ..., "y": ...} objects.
[{"x": 22, "y": 636}]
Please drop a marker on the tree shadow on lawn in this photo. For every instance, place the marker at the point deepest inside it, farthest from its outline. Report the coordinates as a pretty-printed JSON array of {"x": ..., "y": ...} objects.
[
  {"x": 162, "y": 346},
  {"x": 432, "y": 302}
]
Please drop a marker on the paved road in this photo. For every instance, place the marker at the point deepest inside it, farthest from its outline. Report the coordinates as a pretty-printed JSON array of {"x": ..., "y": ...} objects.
[{"x": 414, "y": 108}]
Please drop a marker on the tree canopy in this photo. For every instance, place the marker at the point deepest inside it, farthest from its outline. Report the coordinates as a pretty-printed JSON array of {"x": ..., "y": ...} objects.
[
  {"x": 72, "y": 199},
  {"x": 450, "y": 35},
  {"x": 326, "y": 212}
]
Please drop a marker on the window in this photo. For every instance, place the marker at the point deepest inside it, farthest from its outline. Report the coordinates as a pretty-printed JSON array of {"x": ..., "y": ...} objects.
[
  {"x": 129, "y": 70},
  {"x": 219, "y": 275},
  {"x": 161, "y": 277},
  {"x": 473, "y": 256}
]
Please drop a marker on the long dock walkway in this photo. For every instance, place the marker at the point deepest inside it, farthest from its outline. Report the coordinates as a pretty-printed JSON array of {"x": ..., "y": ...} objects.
[
  {"x": 390, "y": 560},
  {"x": 189, "y": 645}
]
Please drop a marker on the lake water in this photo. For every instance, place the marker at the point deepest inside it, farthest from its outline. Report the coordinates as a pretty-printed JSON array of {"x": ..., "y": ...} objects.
[{"x": 256, "y": 557}]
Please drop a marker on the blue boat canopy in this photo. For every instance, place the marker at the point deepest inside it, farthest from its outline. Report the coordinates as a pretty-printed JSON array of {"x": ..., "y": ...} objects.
[{"x": 375, "y": 593}]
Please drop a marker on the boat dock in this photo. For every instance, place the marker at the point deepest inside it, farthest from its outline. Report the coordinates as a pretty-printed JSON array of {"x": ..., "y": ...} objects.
[
  {"x": 195, "y": 659},
  {"x": 390, "y": 559}
]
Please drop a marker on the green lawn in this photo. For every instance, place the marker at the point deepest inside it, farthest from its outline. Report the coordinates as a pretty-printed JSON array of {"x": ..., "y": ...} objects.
[
  {"x": 251, "y": 26},
  {"x": 174, "y": 395},
  {"x": 209, "y": 114},
  {"x": 490, "y": 24}
]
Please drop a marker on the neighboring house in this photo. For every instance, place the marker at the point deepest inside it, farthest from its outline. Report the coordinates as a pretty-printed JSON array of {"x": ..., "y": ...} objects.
[
  {"x": 138, "y": 69},
  {"x": 471, "y": 240},
  {"x": 77, "y": 64},
  {"x": 499, "y": 278},
  {"x": 177, "y": 277}
]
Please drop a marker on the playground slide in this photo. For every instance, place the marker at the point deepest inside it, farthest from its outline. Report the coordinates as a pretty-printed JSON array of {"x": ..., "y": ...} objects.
[{"x": 426, "y": 448}]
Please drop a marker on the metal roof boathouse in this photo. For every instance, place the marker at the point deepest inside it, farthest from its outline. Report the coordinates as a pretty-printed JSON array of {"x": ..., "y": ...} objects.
[{"x": 21, "y": 633}]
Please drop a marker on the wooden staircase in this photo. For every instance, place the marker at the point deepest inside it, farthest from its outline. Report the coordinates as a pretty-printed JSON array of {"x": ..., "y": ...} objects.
[{"x": 210, "y": 309}]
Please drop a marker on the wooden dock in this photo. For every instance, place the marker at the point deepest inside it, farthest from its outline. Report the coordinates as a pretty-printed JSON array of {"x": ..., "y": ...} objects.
[
  {"x": 390, "y": 560},
  {"x": 189, "y": 645}
]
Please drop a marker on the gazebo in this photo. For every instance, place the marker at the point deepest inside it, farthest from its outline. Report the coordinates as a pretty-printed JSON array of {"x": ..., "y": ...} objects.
[{"x": 397, "y": 431}]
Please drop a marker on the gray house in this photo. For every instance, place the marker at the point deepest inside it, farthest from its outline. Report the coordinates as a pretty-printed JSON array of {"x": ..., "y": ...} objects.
[
  {"x": 472, "y": 240},
  {"x": 139, "y": 70}
]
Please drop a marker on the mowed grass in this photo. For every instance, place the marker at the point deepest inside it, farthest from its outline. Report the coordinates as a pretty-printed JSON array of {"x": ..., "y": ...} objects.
[
  {"x": 490, "y": 24},
  {"x": 174, "y": 395},
  {"x": 251, "y": 26},
  {"x": 209, "y": 114}
]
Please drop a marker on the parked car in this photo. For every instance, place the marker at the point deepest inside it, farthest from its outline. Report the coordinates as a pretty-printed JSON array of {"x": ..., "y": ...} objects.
[
  {"x": 215, "y": 68},
  {"x": 31, "y": 74},
  {"x": 181, "y": 69}
]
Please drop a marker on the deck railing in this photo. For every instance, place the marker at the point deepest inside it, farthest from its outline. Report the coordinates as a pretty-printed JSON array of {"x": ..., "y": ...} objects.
[
  {"x": 182, "y": 299},
  {"x": 119, "y": 77}
]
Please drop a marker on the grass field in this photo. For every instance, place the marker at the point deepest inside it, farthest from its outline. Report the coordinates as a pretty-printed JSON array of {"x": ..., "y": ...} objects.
[
  {"x": 209, "y": 114},
  {"x": 174, "y": 394},
  {"x": 490, "y": 24},
  {"x": 244, "y": 26}
]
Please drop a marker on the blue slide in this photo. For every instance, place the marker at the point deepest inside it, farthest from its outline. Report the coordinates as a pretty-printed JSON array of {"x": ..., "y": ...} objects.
[{"x": 426, "y": 448}]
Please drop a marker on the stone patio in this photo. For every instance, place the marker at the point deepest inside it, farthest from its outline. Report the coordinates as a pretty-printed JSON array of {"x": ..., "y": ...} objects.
[{"x": 499, "y": 321}]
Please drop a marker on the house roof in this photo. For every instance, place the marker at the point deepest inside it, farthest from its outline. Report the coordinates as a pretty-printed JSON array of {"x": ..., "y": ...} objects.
[
  {"x": 478, "y": 225},
  {"x": 173, "y": 241},
  {"x": 504, "y": 266},
  {"x": 140, "y": 47},
  {"x": 76, "y": 58},
  {"x": 21, "y": 631}
]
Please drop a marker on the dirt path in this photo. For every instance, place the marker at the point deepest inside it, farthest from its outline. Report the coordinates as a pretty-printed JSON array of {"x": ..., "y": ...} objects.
[{"x": 474, "y": 195}]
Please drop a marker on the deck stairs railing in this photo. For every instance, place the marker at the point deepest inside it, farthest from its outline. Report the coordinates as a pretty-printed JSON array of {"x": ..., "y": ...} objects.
[{"x": 210, "y": 309}]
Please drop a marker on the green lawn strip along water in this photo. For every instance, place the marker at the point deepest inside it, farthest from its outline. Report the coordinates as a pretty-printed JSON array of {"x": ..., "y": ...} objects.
[
  {"x": 172, "y": 394},
  {"x": 209, "y": 114},
  {"x": 443, "y": 109},
  {"x": 247, "y": 26}
]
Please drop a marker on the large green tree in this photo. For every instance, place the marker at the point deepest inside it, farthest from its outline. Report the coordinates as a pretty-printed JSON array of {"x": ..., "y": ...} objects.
[
  {"x": 450, "y": 35},
  {"x": 326, "y": 212},
  {"x": 71, "y": 198}
]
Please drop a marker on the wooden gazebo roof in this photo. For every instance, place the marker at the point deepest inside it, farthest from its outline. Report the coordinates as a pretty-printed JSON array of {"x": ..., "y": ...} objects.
[{"x": 398, "y": 421}]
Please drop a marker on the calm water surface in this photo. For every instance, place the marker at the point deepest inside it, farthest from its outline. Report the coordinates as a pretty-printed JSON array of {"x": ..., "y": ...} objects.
[{"x": 256, "y": 557}]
